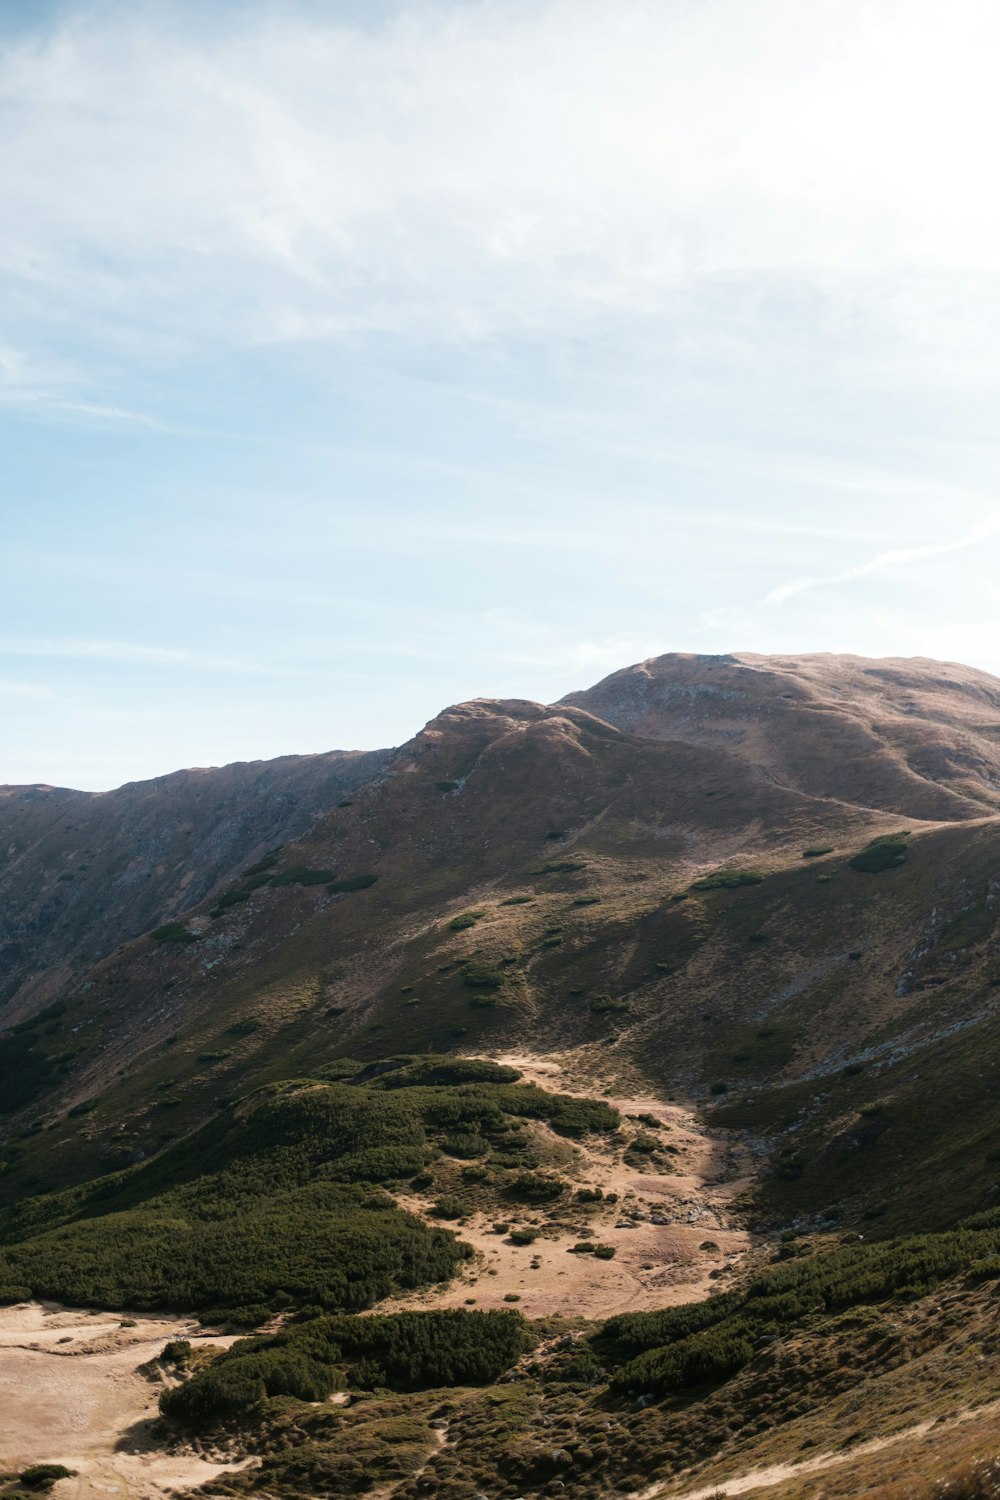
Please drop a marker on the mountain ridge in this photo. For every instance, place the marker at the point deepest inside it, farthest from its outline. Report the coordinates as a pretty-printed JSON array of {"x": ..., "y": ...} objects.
[
  {"x": 495, "y": 800},
  {"x": 755, "y": 945}
]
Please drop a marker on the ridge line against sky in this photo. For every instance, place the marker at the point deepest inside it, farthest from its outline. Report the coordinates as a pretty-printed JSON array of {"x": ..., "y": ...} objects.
[{"x": 360, "y": 359}]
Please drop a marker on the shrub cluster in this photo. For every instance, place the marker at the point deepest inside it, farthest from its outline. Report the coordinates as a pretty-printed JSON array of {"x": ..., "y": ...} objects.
[
  {"x": 399, "y": 1351},
  {"x": 885, "y": 853},
  {"x": 727, "y": 880},
  {"x": 271, "y": 1203},
  {"x": 173, "y": 932},
  {"x": 704, "y": 1341}
]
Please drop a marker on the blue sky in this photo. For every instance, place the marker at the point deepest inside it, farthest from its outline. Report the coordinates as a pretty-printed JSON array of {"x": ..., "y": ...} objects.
[{"x": 355, "y": 360}]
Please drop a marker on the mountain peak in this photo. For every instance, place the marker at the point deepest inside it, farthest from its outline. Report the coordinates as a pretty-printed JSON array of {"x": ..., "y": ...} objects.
[{"x": 912, "y": 736}]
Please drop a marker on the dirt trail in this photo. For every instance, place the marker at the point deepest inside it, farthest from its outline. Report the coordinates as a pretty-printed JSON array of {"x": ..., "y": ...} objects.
[
  {"x": 763, "y": 1479},
  {"x": 72, "y": 1389},
  {"x": 655, "y": 1264}
]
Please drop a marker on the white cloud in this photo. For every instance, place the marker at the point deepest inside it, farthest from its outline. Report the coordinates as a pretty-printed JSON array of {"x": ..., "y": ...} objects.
[
  {"x": 894, "y": 558},
  {"x": 465, "y": 170}
]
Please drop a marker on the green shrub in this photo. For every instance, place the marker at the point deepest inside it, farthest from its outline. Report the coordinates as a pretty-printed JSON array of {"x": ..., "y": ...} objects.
[
  {"x": 176, "y": 1352},
  {"x": 268, "y": 1197},
  {"x": 517, "y": 901},
  {"x": 302, "y": 875},
  {"x": 885, "y": 853},
  {"x": 11, "y": 1292},
  {"x": 601, "y": 1005},
  {"x": 482, "y": 976},
  {"x": 699, "y": 1342},
  {"x": 351, "y": 883},
  {"x": 446, "y": 1071},
  {"x": 534, "y": 1187},
  {"x": 274, "y": 1197},
  {"x": 465, "y": 1144},
  {"x": 727, "y": 880},
  {"x": 816, "y": 852},
  {"x": 446, "y": 786},
  {"x": 605, "y": 1252},
  {"x": 44, "y": 1476},
  {"x": 465, "y": 919},
  {"x": 399, "y": 1351},
  {"x": 704, "y": 1357},
  {"x": 173, "y": 932},
  {"x": 230, "y": 898},
  {"x": 524, "y": 1236},
  {"x": 560, "y": 867},
  {"x": 448, "y": 1207},
  {"x": 246, "y": 1027}
]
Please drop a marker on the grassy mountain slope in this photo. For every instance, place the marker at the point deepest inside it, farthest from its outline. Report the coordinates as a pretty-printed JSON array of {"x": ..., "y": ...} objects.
[
  {"x": 905, "y": 735},
  {"x": 766, "y": 886},
  {"x": 81, "y": 872}
]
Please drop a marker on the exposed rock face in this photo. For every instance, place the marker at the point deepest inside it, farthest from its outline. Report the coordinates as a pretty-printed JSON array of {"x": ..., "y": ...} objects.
[
  {"x": 909, "y": 736},
  {"x": 81, "y": 872}
]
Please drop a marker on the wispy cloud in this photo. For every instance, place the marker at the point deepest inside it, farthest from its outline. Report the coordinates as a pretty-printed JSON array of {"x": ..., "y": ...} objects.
[
  {"x": 50, "y": 388},
  {"x": 896, "y": 557},
  {"x": 465, "y": 170},
  {"x": 124, "y": 653}
]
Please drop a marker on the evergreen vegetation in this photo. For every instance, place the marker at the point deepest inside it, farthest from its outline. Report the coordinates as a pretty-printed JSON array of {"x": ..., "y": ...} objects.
[
  {"x": 173, "y": 932},
  {"x": 399, "y": 1351},
  {"x": 690, "y": 1345},
  {"x": 885, "y": 853},
  {"x": 271, "y": 1204},
  {"x": 727, "y": 880}
]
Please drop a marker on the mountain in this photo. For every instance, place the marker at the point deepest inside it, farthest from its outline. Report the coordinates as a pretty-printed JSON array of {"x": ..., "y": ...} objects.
[
  {"x": 914, "y": 737},
  {"x": 81, "y": 872},
  {"x": 750, "y": 903}
]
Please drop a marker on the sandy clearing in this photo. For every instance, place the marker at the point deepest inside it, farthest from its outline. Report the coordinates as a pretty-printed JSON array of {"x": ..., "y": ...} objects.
[
  {"x": 72, "y": 1389},
  {"x": 655, "y": 1265}
]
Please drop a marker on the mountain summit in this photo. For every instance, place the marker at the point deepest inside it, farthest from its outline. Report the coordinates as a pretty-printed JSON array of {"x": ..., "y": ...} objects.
[
  {"x": 694, "y": 971},
  {"x": 905, "y": 735}
]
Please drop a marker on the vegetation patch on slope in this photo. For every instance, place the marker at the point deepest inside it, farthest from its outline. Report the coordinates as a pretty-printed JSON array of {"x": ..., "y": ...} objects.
[{"x": 278, "y": 1201}]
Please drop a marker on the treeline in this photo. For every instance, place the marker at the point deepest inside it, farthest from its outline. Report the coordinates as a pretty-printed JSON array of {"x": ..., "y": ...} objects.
[
  {"x": 400, "y": 1352},
  {"x": 687, "y": 1346}
]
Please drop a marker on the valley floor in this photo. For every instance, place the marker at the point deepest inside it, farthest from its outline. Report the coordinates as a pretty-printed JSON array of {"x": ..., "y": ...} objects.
[{"x": 78, "y": 1388}]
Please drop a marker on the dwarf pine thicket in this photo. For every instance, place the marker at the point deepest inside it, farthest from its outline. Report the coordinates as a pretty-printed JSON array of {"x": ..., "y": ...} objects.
[{"x": 279, "y": 1201}]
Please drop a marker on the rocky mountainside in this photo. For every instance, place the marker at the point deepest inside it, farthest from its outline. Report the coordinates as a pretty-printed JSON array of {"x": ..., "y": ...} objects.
[
  {"x": 659, "y": 898},
  {"x": 81, "y": 872},
  {"x": 744, "y": 910}
]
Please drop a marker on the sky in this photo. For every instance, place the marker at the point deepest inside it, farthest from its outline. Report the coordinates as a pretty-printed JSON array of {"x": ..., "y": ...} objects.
[{"x": 358, "y": 359}]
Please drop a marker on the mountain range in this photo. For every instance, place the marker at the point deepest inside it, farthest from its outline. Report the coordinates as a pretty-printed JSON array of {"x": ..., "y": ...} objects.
[{"x": 764, "y": 889}]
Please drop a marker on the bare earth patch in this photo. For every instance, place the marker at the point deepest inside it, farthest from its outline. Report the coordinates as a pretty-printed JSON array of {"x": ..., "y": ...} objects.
[
  {"x": 73, "y": 1391},
  {"x": 655, "y": 1264}
]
